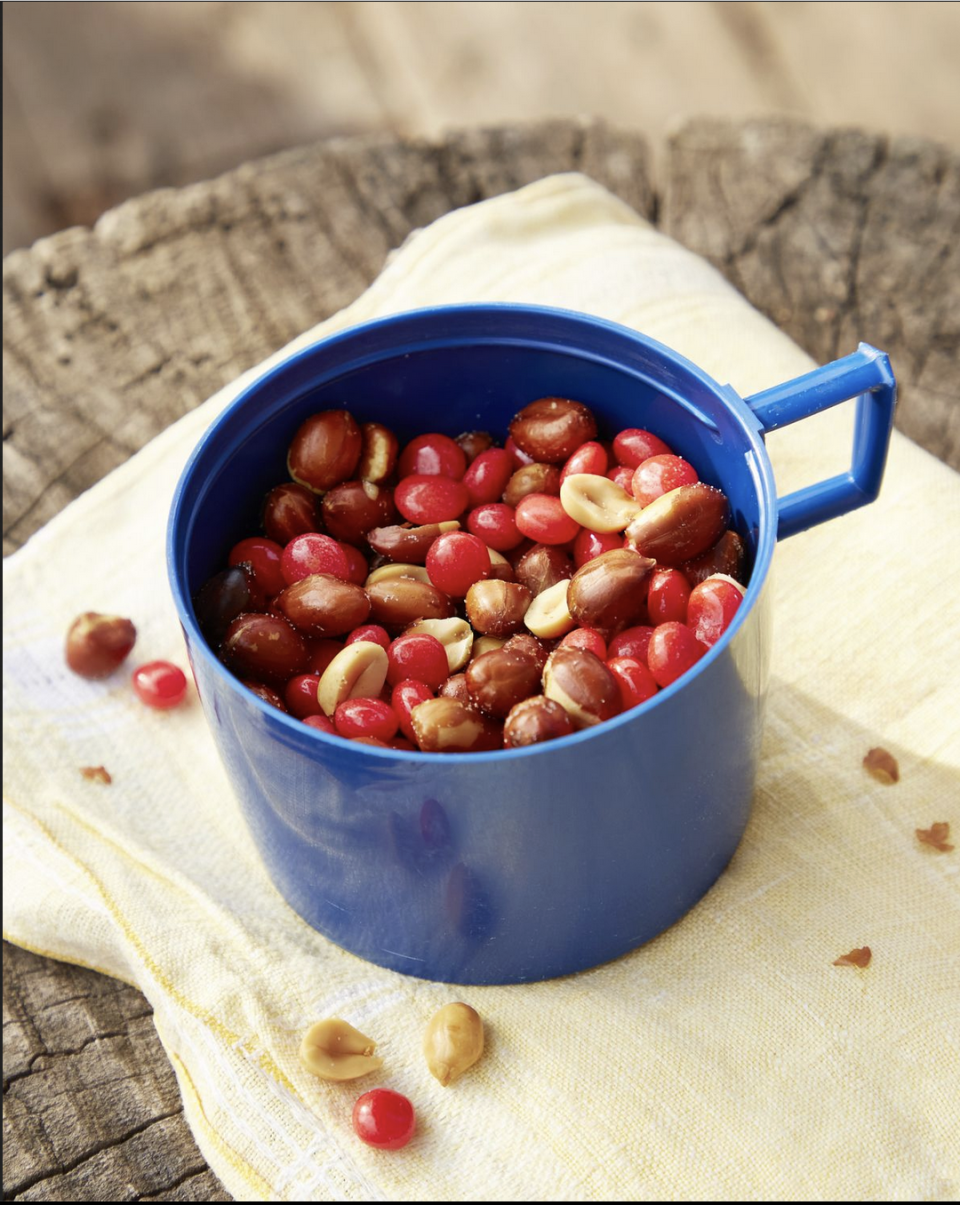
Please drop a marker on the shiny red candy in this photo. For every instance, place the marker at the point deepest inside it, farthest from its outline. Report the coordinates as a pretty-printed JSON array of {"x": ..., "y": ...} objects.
[
  {"x": 372, "y": 632},
  {"x": 623, "y": 476},
  {"x": 667, "y": 596},
  {"x": 407, "y": 695},
  {"x": 634, "y": 679},
  {"x": 487, "y": 476},
  {"x": 659, "y": 475},
  {"x": 589, "y": 544},
  {"x": 357, "y": 568},
  {"x": 423, "y": 498},
  {"x": 313, "y": 553},
  {"x": 322, "y": 652},
  {"x": 672, "y": 651},
  {"x": 384, "y": 1119},
  {"x": 712, "y": 607},
  {"x": 633, "y": 446},
  {"x": 420, "y": 656},
  {"x": 519, "y": 458},
  {"x": 590, "y": 457},
  {"x": 456, "y": 560},
  {"x": 321, "y": 723},
  {"x": 432, "y": 455},
  {"x": 263, "y": 557},
  {"x": 160, "y": 685},
  {"x": 586, "y": 638},
  {"x": 541, "y": 517},
  {"x": 495, "y": 525},
  {"x": 300, "y": 696},
  {"x": 632, "y": 642},
  {"x": 366, "y": 717}
]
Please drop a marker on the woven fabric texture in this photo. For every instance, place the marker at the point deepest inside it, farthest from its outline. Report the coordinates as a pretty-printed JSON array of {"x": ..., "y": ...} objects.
[{"x": 728, "y": 1059}]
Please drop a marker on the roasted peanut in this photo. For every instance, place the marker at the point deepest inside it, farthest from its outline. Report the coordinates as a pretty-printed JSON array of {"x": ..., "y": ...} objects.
[
  {"x": 500, "y": 568},
  {"x": 552, "y": 428},
  {"x": 334, "y": 1050},
  {"x": 531, "y": 646},
  {"x": 401, "y": 601},
  {"x": 353, "y": 508},
  {"x": 486, "y": 644},
  {"x": 325, "y": 450},
  {"x": 583, "y": 686},
  {"x": 290, "y": 510},
  {"x": 410, "y": 544},
  {"x": 358, "y": 671},
  {"x": 533, "y": 721},
  {"x": 610, "y": 591},
  {"x": 454, "y": 634},
  {"x": 446, "y": 725},
  {"x": 499, "y": 680},
  {"x": 473, "y": 443},
  {"x": 597, "y": 503},
  {"x": 453, "y": 1042},
  {"x": 263, "y": 647},
  {"x": 98, "y": 644},
  {"x": 323, "y": 605},
  {"x": 496, "y": 608},
  {"x": 542, "y": 566},
  {"x": 679, "y": 525},
  {"x": 548, "y": 616},
  {"x": 455, "y": 687},
  {"x": 532, "y": 479},
  {"x": 379, "y": 450},
  {"x": 726, "y": 556}
]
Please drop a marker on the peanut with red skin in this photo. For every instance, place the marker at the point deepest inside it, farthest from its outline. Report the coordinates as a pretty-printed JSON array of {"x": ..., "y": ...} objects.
[
  {"x": 98, "y": 644},
  {"x": 325, "y": 450},
  {"x": 535, "y": 720},
  {"x": 552, "y": 428}
]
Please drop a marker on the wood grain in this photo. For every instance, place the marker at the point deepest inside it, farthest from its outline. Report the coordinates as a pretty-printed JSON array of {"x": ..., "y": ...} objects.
[{"x": 112, "y": 333}]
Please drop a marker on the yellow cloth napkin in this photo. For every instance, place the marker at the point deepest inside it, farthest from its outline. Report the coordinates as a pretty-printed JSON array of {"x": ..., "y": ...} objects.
[{"x": 728, "y": 1059}]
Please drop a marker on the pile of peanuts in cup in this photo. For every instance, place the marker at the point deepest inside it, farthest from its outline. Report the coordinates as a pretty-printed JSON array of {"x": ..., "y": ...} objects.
[{"x": 453, "y": 596}]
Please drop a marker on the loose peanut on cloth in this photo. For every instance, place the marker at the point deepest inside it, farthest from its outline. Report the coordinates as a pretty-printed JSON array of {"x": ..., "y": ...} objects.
[
  {"x": 334, "y": 1050},
  {"x": 453, "y": 1042}
]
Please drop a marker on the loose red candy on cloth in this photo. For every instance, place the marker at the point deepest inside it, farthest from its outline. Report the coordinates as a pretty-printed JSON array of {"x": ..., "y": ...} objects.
[
  {"x": 160, "y": 684},
  {"x": 384, "y": 1119}
]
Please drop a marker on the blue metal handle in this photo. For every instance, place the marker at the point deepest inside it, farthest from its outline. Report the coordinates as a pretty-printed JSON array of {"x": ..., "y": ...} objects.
[{"x": 865, "y": 375}]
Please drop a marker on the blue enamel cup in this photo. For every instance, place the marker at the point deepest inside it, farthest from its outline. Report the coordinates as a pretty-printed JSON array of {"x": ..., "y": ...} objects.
[{"x": 530, "y": 863}]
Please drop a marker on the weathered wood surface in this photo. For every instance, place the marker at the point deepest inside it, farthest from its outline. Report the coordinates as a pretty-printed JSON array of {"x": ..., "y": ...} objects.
[{"x": 111, "y": 334}]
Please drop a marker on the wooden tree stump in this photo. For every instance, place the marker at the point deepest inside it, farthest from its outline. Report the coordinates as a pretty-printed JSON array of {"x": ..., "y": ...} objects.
[{"x": 112, "y": 333}]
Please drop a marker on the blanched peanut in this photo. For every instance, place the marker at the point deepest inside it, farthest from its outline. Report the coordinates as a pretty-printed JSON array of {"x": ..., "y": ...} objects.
[
  {"x": 548, "y": 616},
  {"x": 454, "y": 634},
  {"x": 387, "y": 573},
  {"x": 496, "y": 608},
  {"x": 357, "y": 672},
  {"x": 453, "y": 1042},
  {"x": 446, "y": 725},
  {"x": 597, "y": 503},
  {"x": 679, "y": 525},
  {"x": 582, "y": 685},
  {"x": 334, "y": 1050}
]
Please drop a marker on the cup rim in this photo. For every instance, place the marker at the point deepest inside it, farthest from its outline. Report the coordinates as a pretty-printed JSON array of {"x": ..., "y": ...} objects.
[{"x": 425, "y": 317}]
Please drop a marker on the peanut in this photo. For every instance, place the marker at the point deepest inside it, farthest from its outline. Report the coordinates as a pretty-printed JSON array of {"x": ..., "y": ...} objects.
[
  {"x": 679, "y": 525},
  {"x": 334, "y": 1050},
  {"x": 398, "y": 602},
  {"x": 410, "y": 544},
  {"x": 582, "y": 685},
  {"x": 454, "y": 634},
  {"x": 323, "y": 605},
  {"x": 325, "y": 450},
  {"x": 379, "y": 452},
  {"x": 395, "y": 569},
  {"x": 453, "y": 1042},
  {"x": 500, "y": 679},
  {"x": 548, "y": 616},
  {"x": 445, "y": 725},
  {"x": 535, "y": 720},
  {"x": 610, "y": 591},
  {"x": 358, "y": 671},
  {"x": 597, "y": 503},
  {"x": 543, "y": 566},
  {"x": 552, "y": 428},
  {"x": 496, "y": 608}
]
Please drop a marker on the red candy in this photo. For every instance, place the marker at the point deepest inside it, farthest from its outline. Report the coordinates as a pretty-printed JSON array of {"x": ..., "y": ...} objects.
[
  {"x": 357, "y": 568},
  {"x": 590, "y": 457},
  {"x": 712, "y": 606},
  {"x": 541, "y": 517},
  {"x": 422, "y": 498},
  {"x": 366, "y": 717},
  {"x": 586, "y": 638},
  {"x": 623, "y": 476},
  {"x": 672, "y": 651},
  {"x": 632, "y": 642},
  {"x": 659, "y": 475},
  {"x": 384, "y": 1119},
  {"x": 633, "y": 446},
  {"x": 419, "y": 656},
  {"x": 634, "y": 679},
  {"x": 160, "y": 685},
  {"x": 432, "y": 455},
  {"x": 667, "y": 596},
  {"x": 487, "y": 476},
  {"x": 496, "y": 526},
  {"x": 321, "y": 723},
  {"x": 589, "y": 544},
  {"x": 407, "y": 695},
  {"x": 263, "y": 557},
  {"x": 372, "y": 632},
  {"x": 313, "y": 553},
  {"x": 456, "y": 560},
  {"x": 300, "y": 696}
]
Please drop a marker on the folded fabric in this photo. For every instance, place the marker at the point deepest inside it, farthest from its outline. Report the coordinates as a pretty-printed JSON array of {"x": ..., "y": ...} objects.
[{"x": 729, "y": 1059}]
